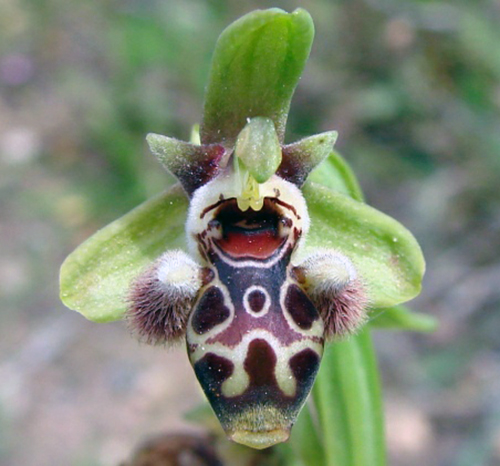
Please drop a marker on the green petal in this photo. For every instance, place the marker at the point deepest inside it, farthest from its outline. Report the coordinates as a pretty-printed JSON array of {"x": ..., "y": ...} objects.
[
  {"x": 256, "y": 66},
  {"x": 259, "y": 149},
  {"x": 301, "y": 157},
  {"x": 386, "y": 254},
  {"x": 173, "y": 154},
  {"x": 402, "y": 318},
  {"x": 95, "y": 277},
  {"x": 192, "y": 165}
]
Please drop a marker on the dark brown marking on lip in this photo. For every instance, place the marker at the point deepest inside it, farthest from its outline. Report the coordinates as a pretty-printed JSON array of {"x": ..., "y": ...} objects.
[
  {"x": 212, "y": 370},
  {"x": 256, "y": 300},
  {"x": 207, "y": 275},
  {"x": 201, "y": 250},
  {"x": 300, "y": 307},
  {"x": 286, "y": 205},
  {"x": 210, "y": 311},
  {"x": 260, "y": 364},
  {"x": 213, "y": 206},
  {"x": 304, "y": 366}
]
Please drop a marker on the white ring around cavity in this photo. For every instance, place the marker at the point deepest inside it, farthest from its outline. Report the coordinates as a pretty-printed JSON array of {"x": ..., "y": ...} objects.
[{"x": 267, "y": 302}]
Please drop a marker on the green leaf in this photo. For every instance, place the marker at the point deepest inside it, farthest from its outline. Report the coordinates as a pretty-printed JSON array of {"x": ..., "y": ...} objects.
[
  {"x": 305, "y": 438},
  {"x": 385, "y": 253},
  {"x": 348, "y": 400},
  {"x": 256, "y": 66},
  {"x": 259, "y": 148},
  {"x": 402, "y": 318},
  {"x": 95, "y": 278}
]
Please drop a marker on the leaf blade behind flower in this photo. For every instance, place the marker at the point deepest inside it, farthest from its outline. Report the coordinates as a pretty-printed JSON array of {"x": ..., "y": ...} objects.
[
  {"x": 401, "y": 318},
  {"x": 348, "y": 400}
]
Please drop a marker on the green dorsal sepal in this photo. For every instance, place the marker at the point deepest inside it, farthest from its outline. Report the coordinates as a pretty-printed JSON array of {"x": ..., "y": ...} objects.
[
  {"x": 193, "y": 165},
  {"x": 301, "y": 157},
  {"x": 258, "y": 147},
  {"x": 256, "y": 66}
]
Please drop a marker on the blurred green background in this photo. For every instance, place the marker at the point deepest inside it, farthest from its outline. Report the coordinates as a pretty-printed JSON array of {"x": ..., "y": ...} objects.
[{"x": 413, "y": 87}]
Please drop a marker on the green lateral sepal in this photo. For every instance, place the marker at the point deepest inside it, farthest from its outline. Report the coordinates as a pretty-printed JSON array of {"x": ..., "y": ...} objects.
[
  {"x": 95, "y": 278},
  {"x": 385, "y": 254}
]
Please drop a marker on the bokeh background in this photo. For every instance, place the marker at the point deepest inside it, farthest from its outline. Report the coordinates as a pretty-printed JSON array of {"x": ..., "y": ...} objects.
[{"x": 413, "y": 87}]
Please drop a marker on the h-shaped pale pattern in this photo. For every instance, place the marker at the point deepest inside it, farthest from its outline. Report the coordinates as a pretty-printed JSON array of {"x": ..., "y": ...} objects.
[{"x": 255, "y": 321}]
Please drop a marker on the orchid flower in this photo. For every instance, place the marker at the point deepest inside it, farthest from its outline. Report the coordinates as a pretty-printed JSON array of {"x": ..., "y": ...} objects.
[{"x": 261, "y": 253}]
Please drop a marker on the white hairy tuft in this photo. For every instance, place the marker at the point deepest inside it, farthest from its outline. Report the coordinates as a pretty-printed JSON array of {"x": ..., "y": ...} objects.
[
  {"x": 333, "y": 284},
  {"x": 328, "y": 270},
  {"x": 179, "y": 274},
  {"x": 161, "y": 297}
]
